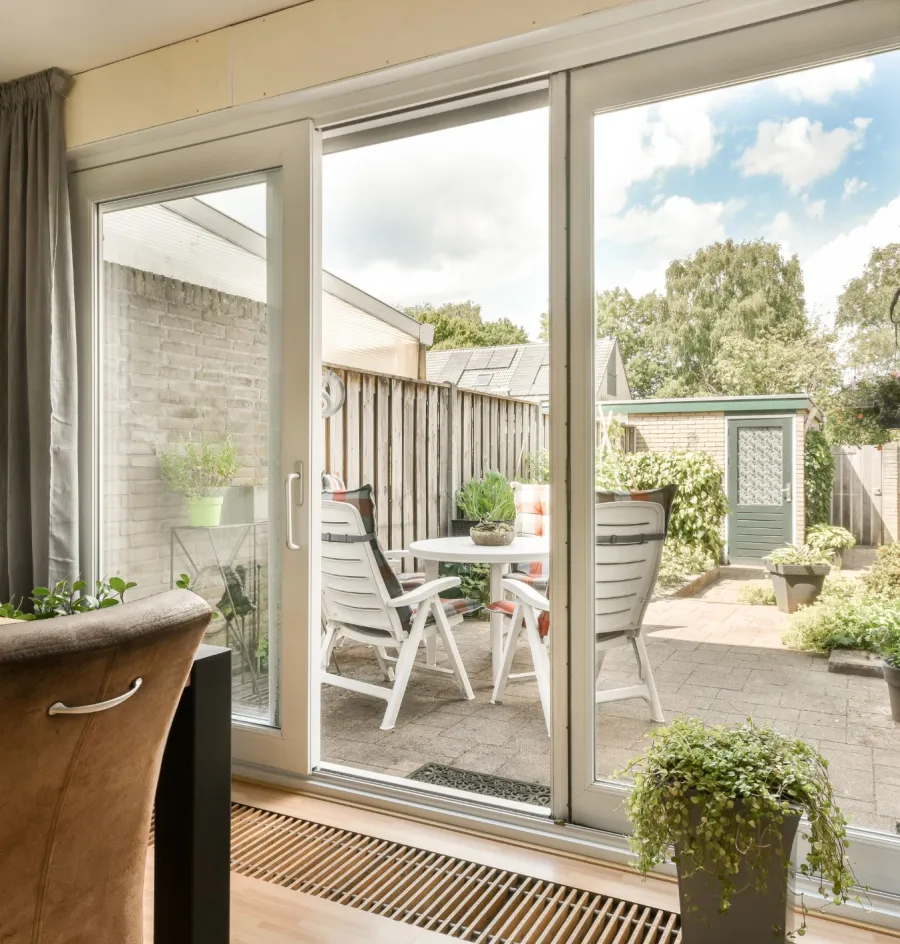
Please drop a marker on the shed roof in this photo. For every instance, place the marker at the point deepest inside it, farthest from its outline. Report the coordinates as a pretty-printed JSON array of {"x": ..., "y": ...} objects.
[
  {"x": 766, "y": 403},
  {"x": 516, "y": 370}
]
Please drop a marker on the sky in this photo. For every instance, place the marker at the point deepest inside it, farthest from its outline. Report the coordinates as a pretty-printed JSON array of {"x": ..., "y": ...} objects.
[{"x": 808, "y": 160}]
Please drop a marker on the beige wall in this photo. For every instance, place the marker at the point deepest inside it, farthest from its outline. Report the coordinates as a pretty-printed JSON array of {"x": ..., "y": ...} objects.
[
  {"x": 663, "y": 432},
  {"x": 311, "y": 44}
]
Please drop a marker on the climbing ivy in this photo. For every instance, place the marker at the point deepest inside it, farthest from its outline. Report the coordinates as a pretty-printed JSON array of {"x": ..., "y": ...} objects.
[{"x": 819, "y": 478}]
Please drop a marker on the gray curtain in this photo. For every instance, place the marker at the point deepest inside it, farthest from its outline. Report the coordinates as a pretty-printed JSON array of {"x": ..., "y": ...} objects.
[{"x": 38, "y": 371}]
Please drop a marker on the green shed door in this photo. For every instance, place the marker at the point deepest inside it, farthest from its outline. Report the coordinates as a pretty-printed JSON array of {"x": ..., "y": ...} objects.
[{"x": 760, "y": 477}]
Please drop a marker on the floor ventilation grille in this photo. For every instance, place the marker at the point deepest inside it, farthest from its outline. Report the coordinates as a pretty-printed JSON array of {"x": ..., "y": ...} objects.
[{"x": 434, "y": 892}]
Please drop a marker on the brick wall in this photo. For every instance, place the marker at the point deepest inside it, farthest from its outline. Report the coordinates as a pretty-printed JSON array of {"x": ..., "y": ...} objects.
[
  {"x": 179, "y": 361},
  {"x": 663, "y": 432},
  {"x": 890, "y": 483},
  {"x": 800, "y": 477}
]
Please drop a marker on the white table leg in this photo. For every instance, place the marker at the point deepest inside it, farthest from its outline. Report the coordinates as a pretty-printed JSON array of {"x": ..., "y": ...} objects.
[
  {"x": 431, "y": 573},
  {"x": 496, "y": 622}
]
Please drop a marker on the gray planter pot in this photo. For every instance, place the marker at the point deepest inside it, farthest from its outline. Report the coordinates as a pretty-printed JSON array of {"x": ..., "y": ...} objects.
[
  {"x": 492, "y": 538},
  {"x": 892, "y": 677},
  {"x": 753, "y": 913},
  {"x": 796, "y": 585}
]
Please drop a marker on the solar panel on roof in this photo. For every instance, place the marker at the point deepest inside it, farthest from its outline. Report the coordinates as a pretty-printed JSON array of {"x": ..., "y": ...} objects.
[
  {"x": 502, "y": 358},
  {"x": 454, "y": 367},
  {"x": 526, "y": 371},
  {"x": 478, "y": 360}
]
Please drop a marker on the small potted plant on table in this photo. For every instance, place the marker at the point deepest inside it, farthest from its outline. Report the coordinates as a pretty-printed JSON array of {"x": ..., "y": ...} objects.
[
  {"x": 489, "y": 498},
  {"x": 832, "y": 539},
  {"x": 798, "y": 574},
  {"x": 493, "y": 533},
  {"x": 200, "y": 472},
  {"x": 730, "y": 801}
]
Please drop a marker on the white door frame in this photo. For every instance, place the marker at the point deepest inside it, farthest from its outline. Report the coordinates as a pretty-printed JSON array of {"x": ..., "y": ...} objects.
[
  {"x": 290, "y": 155},
  {"x": 743, "y": 55}
]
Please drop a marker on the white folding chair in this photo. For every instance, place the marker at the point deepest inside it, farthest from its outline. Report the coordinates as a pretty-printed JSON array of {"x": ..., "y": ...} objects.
[
  {"x": 362, "y": 601},
  {"x": 629, "y": 536}
]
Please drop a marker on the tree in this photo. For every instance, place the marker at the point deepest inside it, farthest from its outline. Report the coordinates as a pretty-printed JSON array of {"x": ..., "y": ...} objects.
[
  {"x": 460, "y": 325},
  {"x": 863, "y": 310}
]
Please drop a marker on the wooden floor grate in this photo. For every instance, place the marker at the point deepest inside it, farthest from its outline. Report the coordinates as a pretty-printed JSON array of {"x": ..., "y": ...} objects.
[{"x": 434, "y": 892}]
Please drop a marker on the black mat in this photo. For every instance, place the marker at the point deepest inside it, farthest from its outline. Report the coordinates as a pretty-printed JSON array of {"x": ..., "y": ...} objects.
[{"x": 503, "y": 788}]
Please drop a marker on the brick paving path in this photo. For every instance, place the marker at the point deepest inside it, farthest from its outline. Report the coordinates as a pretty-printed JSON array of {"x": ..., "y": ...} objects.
[{"x": 712, "y": 657}]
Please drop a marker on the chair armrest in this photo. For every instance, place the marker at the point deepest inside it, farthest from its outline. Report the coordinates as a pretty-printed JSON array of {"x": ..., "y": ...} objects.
[
  {"x": 395, "y": 555},
  {"x": 526, "y": 593},
  {"x": 433, "y": 588}
]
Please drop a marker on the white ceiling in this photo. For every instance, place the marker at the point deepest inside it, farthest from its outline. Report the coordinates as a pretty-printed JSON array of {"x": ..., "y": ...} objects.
[{"x": 77, "y": 35}]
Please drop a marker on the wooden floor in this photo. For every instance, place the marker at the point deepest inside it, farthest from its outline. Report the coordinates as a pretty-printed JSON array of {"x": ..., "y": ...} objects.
[{"x": 263, "y": 913}]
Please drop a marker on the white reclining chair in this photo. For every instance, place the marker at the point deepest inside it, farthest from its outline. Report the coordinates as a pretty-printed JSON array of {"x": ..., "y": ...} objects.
[
  {"x": 630, "y": 529},
  {"x": 362, "y": 600}
]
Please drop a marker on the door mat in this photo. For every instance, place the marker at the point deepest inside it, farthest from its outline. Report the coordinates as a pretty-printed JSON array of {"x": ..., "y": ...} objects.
[{"x": 503, "y": 788}]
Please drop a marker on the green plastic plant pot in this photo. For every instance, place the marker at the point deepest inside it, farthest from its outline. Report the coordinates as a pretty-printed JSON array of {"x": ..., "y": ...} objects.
[
  {"x": 796, "y": 585},
  {"x": 205, "y": 512}
]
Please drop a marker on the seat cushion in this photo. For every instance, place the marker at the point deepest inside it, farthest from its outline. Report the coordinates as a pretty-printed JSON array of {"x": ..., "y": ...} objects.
[
  {"x": 453, "y": 608},
  {"x": 410, "y": 581},
  {"x": 508, "y": 607}
]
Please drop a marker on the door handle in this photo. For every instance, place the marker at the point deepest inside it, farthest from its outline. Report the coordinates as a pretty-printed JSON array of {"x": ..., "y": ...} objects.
[
  {"x": 289, "y": 510},
  {"x": 788, "y": 493}
]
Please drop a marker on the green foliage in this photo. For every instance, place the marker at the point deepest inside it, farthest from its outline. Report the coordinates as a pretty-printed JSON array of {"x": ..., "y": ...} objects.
[
  {"x": 184, "y": 582},
  {"x": 198, "y": 471},
  {"x": 850, "y": 419},
  {"x": 474, "y": 582},
  {"x": 829, "y": 537},
  {"x": 65, "y": 599},
  {"x": 798, "y": 555},
  {"x": 235, "y": 604},
  {"x": 460, "y": 325},
  {"x": 883, "y": 580},
  {"x": 680, "y": 562},
  {"x": 863, "y": 311},
  {"x": 889, "y": 648},
  {"x": 818, "y": 471},
  {"x": 493, "y": 527},
  {"x": 845, "y": 616},
  {"x": 757, "y": 594},
  {"x": 535, "y": 467},
  {"x": 700, "y": 506},
  {"x": 490, "y": 498},
  {"x": 719, "y": 795}
]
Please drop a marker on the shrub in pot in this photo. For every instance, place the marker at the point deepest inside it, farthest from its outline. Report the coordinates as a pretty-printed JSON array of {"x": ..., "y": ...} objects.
[
  {"x": 66, "y": 599},
  {"x": 730, "y": 801},
  {"x": 832, "y": 539},
  {"x": 489, "y": 498},
  {"x": 493, "y": 533},
  {"x": 798, "y": 574},
  {"x": 200, "y": 472},
  {"x": 890, "y": 667}
]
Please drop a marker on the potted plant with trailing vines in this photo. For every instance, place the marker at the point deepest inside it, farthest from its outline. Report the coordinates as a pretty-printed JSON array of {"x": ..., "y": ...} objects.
[
  {"x": 201, "y": 473},
  {"x": 730, "y": 800},
  {"x": 798, "y": 574}
]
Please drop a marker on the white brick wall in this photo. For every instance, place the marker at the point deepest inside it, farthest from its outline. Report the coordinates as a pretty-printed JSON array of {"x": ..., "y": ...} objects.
[{"x": 663, "y": 432}]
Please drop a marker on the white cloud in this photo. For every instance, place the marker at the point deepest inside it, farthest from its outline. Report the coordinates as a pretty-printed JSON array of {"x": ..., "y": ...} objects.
[
  {"x": 822, "y": 84},
  {"x": 800, "y": 151},
  {"x": 853, "y": 186},
  {"x": 780, "y": 230},
  {"x": 636, "y": 144},
  {"x": 814, "y": 209},
  {"x": 827, "y": 271}
]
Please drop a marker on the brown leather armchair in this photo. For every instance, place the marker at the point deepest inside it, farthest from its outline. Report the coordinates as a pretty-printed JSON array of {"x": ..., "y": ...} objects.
[{"x": 85, "y": 707}]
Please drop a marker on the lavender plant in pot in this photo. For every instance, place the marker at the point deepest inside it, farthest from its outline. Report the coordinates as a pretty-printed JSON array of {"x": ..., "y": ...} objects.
[
  {"x": 490, "y": 498},
  {"x": 730, "y": 801},
  {"x": 798, "y": 574}
]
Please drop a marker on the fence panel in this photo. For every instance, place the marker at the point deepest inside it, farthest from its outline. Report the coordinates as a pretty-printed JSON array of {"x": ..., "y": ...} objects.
[
  {"x": 856, "y": 502},
  {"x": 416, "y": 443}
]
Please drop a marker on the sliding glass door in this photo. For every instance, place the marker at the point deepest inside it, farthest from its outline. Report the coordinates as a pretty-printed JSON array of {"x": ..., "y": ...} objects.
[
  {"x": 201, "y": 358},
  {"x": 710, "y": 238}
]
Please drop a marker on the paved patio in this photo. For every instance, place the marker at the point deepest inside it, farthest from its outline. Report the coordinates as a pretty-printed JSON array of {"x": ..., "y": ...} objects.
[{"x": 712, "y": 657}]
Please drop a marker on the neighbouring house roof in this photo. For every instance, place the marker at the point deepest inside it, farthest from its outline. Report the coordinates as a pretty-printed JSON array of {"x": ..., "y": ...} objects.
[
  {"x": 513, "y": 370},
  {"x": 768, "y": 403}
]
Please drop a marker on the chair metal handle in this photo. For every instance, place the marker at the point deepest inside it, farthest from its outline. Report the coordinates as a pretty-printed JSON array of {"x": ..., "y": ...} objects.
[{"x": 58, "y": 708}]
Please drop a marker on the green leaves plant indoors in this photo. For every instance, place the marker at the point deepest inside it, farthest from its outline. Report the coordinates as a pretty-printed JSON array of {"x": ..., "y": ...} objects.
[
  {"x": 490, "y": 498},
  {"x": 65, "y": 599},
  {"x": 720, "y": 794},
  {"x": 818, "y": 478},
  {"x": 198, "y": 471}
]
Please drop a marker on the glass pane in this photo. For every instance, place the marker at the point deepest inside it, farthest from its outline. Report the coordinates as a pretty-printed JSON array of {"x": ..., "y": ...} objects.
[
  {"x": 189, "y": 423},
  {"x": 745, "y": 258},
  {"x": 435, "y": 251}
]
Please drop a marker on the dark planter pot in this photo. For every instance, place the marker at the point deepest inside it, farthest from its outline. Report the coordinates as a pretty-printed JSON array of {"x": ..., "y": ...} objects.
[
  {"x": 892, "y": 677},
  {"x": 753, "y": 914},
  {"x": 796, "y": 585},
  {"x": 460, "y": 527}
]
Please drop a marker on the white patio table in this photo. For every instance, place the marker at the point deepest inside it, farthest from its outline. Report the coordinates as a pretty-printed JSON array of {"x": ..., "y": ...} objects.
[{"x": 525, "y": 549}]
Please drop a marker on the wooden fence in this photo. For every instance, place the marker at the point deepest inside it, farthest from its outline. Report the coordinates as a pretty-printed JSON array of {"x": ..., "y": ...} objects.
[
  {"x": 858, "y": 497},
  {"x": 416, "y": 443}
]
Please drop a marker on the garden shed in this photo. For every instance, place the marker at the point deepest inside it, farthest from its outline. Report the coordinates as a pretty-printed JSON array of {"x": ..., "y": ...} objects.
[{"x": 760, "y": 443}]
